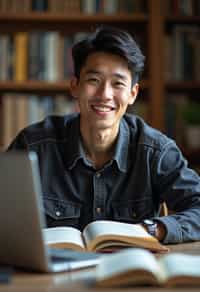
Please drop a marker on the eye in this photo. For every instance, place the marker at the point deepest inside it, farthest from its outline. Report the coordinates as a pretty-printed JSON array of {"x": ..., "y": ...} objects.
[
  {"x": 92, "y": 80},
  {"x": 119, "y": 84}
]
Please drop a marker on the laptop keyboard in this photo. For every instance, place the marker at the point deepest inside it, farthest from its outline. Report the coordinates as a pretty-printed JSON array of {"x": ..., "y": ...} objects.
[{"x": 71, "y": 255}]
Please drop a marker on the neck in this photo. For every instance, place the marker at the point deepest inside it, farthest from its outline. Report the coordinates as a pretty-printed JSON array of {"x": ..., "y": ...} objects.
[{"x": 99, "y": 145}]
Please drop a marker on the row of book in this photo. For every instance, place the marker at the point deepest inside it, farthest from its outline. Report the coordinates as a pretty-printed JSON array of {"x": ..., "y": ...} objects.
[
  {"x": 181, "y": 53},
  {"x": 73, "y": 6},
  {"x": 46, "y": 55},
  {"x": 36, "y": 56},
  {"x": 19, "y": 111},
  {"x": 181, "y": 7}
]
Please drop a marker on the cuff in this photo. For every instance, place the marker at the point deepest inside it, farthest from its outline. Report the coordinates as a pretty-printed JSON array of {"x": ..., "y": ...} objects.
[{"x": 173, "y": 230}]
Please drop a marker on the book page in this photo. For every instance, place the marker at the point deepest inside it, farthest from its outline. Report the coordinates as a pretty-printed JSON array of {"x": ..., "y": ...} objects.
[
  {"x": 64, "y": 237},
  {"x": 99, "y": 231},
  {"x": 181, "y": 265},
  {"x": 130, "y": 266}
]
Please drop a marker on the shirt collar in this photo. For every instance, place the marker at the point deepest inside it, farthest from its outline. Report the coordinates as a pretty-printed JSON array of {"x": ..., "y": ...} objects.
[
  {"x": 122, "y": 145},
  {"x": 74, "y": 150}
]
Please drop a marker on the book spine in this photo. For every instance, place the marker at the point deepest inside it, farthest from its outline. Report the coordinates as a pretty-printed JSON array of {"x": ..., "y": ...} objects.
[
  {"x": 8, "y": 119},
  {"x": 33, "y": 109},
  {"x": 110, "y": 6},
  {"x": 21, "y": 102},
  {"x": 4, "y": 57},
  {"x": 21, "y": 56},
  {"x": 51, "y": 56},
  {"x": 88, "y": 6},
  {"x": 39, "y": 5}
]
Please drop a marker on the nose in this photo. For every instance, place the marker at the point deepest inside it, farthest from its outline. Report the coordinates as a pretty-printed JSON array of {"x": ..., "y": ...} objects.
[{"x": 105, "y": 91}]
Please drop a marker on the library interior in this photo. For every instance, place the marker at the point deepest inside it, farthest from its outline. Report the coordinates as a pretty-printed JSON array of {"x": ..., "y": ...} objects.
[{"x": 36, "y": 37}]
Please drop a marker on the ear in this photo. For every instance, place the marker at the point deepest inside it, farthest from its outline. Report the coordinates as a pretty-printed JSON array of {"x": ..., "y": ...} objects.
[
  {"x": 73, "y": 87},
  {"x": 134, "y": 93}
]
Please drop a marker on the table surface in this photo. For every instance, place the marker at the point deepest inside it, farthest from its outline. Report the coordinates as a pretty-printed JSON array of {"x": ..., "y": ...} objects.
[{"x": 79, "y": 280}]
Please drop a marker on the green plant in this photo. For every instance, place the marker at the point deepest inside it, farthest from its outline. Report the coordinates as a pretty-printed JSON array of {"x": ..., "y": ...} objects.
[{"x": 191, "y": 113}]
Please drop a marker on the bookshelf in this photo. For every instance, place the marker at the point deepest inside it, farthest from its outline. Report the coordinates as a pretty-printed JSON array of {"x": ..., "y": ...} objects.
[
  {"x": 149, "y": 23},
  {"x": 181, "y": 25}
]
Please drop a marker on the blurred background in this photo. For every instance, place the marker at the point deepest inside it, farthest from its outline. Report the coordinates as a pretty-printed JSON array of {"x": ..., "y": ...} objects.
[{"x": 35, "y": 61}]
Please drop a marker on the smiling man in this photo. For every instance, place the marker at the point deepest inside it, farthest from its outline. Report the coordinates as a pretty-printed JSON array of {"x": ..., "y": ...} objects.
[
  {"x": 102, "y": 163},
  {"x": 104, "y": 90}
]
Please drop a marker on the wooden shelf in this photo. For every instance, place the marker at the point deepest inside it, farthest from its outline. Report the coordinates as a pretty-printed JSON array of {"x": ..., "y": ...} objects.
[
  {"x": 183, "y": 85},
  {"x": 58, "y": 21},
  {"x": 58, "y": 17},
  {"x": 182, "y": 19},
  {"x": 34, "y": 87}
]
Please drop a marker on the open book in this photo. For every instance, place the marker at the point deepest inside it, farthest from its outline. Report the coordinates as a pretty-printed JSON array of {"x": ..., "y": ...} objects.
[
  {"x": 102, "y": 236},
  {"x": 140, "y": 267}
]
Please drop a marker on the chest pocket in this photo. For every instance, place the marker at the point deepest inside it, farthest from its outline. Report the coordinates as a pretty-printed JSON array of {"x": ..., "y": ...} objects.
[
  {"x": 132, "y": 211},
  {"x": 61, "y": 212}
]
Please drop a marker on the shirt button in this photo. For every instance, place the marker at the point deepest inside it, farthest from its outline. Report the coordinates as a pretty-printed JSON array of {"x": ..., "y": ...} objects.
[
  {"x": 134, "y": 215},
  {"x": 98, "y": 174},
  {"x": 98, "y": 210},
  {"x": 58, "y": 213}
]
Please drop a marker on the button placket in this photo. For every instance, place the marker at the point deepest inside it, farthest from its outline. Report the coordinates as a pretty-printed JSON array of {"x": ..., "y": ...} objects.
[{"x": 98, "y": 196}]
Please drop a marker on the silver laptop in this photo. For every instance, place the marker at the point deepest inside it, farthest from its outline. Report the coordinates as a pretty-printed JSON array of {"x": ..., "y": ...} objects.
[{"x": 21, "y": 220}]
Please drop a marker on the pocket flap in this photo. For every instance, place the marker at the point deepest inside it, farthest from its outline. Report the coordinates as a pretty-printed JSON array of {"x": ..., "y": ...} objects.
[
  {"x": 132, "y": 210},
  {"x": 60, "y": 209}
]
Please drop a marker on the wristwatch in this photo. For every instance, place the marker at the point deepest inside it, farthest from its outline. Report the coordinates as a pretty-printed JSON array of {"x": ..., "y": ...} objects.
[{"x": 151, "y": 226}]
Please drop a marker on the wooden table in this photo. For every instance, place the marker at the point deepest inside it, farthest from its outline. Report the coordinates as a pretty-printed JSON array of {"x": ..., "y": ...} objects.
[{"x": 78, "y": 280}]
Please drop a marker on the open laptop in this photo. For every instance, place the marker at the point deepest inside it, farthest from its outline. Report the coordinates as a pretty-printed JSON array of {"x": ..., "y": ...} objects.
[{"x": 21, "y": 220}]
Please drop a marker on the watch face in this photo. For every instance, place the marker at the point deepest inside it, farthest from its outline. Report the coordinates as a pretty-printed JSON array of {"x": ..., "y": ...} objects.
[
  {"x": 151, "y": 226},
  {"x": 149, "y": 222}
]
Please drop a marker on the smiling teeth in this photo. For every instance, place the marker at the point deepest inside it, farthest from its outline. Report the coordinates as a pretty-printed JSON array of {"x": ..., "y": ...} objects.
[{"x": 102, "y": 109}]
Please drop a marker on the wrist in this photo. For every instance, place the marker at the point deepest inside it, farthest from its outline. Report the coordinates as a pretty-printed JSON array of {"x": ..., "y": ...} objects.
[
  {"x": 155, "y": 228},
  {"x": 161, "y": 231}
]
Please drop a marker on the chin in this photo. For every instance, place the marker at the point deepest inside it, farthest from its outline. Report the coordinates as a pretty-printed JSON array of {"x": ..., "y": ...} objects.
[{"x": 103, "y": 125}]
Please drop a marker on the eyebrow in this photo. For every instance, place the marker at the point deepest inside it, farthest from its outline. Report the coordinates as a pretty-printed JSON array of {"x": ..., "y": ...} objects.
[{"x": 118, "y": 75}]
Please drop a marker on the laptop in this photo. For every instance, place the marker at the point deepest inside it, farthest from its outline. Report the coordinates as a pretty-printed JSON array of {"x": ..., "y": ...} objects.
[{"x": 22, "y": 220}]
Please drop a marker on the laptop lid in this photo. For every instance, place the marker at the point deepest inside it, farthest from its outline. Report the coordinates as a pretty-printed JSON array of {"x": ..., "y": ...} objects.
[{"x": 21, "y": 220}]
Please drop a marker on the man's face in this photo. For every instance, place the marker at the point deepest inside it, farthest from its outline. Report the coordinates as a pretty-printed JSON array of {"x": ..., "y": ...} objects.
[{"x": 104, "y": 90}]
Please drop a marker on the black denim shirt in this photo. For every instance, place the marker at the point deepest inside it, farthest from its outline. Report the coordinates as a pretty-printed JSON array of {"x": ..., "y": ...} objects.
[{"x": 147, "y": 168}]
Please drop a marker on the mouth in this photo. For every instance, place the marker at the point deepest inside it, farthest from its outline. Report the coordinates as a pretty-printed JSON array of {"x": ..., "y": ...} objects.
[{"x": 103, "y": 108}]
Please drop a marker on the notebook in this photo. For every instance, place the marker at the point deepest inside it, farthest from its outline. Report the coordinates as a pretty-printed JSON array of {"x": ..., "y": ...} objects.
[{"x": 22, "y": 220}]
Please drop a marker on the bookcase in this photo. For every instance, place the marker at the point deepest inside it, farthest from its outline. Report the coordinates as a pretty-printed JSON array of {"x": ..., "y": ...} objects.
[
  {"x": 152, "y": 22},
  {"x": 181, "y": 44}
]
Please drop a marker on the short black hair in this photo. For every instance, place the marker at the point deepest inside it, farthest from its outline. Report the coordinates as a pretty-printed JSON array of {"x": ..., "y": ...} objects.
[{"x": 110, "y": 40}]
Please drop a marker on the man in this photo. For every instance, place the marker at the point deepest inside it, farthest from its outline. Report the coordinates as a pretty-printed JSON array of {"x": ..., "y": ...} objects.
[{"x": 105, "y": 164}]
